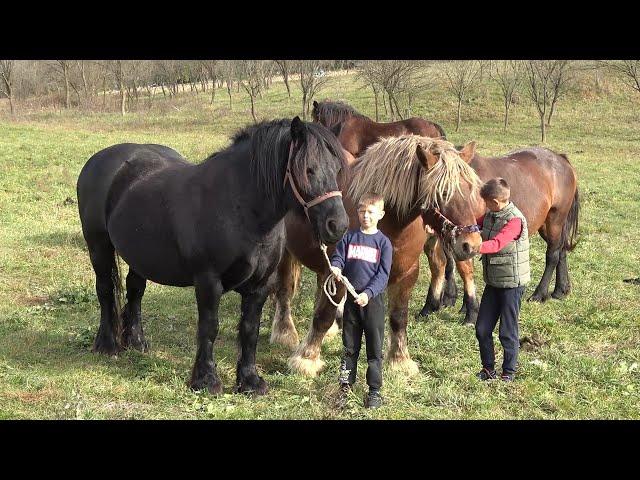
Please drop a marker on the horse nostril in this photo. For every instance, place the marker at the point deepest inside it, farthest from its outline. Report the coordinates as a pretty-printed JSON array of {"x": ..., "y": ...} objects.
[
  {"x": 332, "y": 227},
  {"x": 466, "y": 248}
]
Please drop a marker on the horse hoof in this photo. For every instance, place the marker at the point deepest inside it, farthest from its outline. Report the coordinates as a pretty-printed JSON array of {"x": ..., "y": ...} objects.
[
  {"x": 287, "y": 338},
  {"x": 137, "y": 342},
  {"x": 560, "y": 294},
  {"x": 424, "y": 313},
  {"x": 306, "y": 366},
  {"x": 537, "y": 297},
  {"x": 212, "y": 384},
  {"x": 106, "y": 345},
  {"x": 254, "y": 385}
]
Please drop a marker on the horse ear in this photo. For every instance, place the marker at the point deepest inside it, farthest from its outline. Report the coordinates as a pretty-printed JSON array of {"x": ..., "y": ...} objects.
[
  {"x": 427, "y": 159},
  {"x": 297, "y": 128},
  {"x": 315, "y": 104},
  {"x": 468, "y": 151}
]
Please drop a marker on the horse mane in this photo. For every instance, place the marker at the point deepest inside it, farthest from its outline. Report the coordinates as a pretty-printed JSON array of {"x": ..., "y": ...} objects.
[
  {"x": 269, "y": 151},
  {"x": 333, "y": 112},
  {"x": 391, "y": 168}
]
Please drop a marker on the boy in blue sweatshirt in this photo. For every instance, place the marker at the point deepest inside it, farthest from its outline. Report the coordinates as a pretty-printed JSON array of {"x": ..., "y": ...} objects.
[{"x": 363, "y": 256}]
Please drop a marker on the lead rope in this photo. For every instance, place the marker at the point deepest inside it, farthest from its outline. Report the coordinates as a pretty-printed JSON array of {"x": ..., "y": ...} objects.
[{"x": 330, "y": 288}]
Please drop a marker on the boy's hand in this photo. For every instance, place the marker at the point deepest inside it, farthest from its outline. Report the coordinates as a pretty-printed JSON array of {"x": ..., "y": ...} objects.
[
  {"x": 337, "y": 272},
  {"x": 362, "y": 299}
]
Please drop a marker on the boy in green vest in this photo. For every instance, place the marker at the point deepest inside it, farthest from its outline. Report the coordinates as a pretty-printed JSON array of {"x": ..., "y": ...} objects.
[{"x": 505, "y": 265}]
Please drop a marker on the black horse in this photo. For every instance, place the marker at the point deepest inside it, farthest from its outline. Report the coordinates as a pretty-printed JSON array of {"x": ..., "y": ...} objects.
[{"x": 217, "y": 225}]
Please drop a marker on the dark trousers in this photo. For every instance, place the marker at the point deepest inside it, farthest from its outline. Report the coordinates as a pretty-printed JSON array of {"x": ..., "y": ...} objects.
[
  {"x": 503, "y": 303},
  {"x": 356, "y": 320}
]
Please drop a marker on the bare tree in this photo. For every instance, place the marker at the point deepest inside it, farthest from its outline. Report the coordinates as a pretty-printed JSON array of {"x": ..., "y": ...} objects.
[
  {"x": 251, "y": 78},
  {"x": 539, "y": 79},
  {"x": 508, "y": 74},
  {"x": 6, "y": 86},
  {"x": 283, "y": 66},
  {"x": 228, "y": 73},
  {"x": 62, "y": 69},
  {"x": 461, "y": 77},
  {"x": 547, "y": 82},
  {"x": 368, "y": 72},
  {"x": 398, "y": 82},
  {"x": 212, "y": 70},
  {"x": 627, "y": 70},
  {"x": 561, "y": 82},
  {"x": 311, "y": 81}
]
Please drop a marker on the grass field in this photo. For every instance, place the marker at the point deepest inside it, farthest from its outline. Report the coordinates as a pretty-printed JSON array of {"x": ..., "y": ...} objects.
[{"x": 588, "y": 366}]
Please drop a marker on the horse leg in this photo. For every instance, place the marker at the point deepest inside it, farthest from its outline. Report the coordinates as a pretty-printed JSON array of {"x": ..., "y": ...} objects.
[
  {"x": 204, "y": 375},
  {"x": 306, "y": 359},
  {"x": 450, "y": 294},
  {"x": 283, "y": 330},
  {"x": 552, "y": 236},
  {"x": 132, "y": 333},
  {"x": 470, "y": 301},
  {"x": 399, "y": 294},
  {"x": 101, "y": 252},
  {"x": 437, "y": 265},
  {"x": 563, "y": 284},
  {"x": 247, "y": 379}
]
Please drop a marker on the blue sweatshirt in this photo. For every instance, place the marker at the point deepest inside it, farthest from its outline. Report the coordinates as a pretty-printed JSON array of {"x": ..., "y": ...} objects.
[{"x": 365, "y": 259}]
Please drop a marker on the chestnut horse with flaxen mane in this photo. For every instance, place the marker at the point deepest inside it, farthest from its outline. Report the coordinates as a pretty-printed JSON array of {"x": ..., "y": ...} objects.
[{"x": 411, "y": 173}]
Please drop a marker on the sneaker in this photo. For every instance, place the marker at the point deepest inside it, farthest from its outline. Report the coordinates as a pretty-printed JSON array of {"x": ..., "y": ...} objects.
[
  {"x": 374, "y": 400},
  {"x": 507, "y": 377},
  {"x": 486, "y": 374},
  {"x": 343, "y": 395}
]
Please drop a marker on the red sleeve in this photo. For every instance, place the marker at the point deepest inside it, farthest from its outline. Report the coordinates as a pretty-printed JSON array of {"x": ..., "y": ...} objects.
[
  {"x": 480, "y": 220},
  {"x": 511, "y": 231}
]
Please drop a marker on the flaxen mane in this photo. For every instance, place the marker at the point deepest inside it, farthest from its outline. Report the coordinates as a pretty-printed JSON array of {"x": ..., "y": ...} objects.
[{"x": 391, "y": 168}]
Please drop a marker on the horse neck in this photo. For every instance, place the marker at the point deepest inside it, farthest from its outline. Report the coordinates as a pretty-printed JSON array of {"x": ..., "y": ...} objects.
[{"x": 268, "y": 209}]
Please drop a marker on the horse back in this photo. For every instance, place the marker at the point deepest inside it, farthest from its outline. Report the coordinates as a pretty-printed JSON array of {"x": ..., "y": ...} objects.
[
  {"x": 539, "y": 180},
  {"x": 97, "y": 175}
]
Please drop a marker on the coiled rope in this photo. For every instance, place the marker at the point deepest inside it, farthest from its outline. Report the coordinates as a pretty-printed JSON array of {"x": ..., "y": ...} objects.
[{"x": 330, "y": 288}]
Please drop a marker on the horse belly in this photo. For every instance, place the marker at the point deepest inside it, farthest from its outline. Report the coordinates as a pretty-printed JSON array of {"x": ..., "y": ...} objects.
[{"x": 139, "y": 238}]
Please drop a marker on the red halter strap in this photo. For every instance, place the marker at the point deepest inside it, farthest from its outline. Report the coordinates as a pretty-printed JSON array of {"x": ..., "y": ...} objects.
[
  {"x": 315, "y": 201},
  {"x": 451, "y": 230}
]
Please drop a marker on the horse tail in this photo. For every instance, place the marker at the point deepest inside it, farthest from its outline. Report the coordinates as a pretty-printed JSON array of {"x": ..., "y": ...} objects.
[
  {"x": 570, "y": 227},
  {"x": 118, "y": 294},
  {"x": 296, "y": 271}
]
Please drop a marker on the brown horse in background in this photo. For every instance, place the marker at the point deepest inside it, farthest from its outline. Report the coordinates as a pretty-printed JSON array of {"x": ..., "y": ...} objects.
[
  {"x": 356, "y": 131},
  {"x": 544, "y": 187},
  {"x": 411, "y": 172}
]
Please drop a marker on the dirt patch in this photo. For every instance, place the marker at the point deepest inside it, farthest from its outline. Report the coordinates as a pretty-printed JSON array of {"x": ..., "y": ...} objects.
[
  {"x": 32, "y": 300},
  {"x": 44, "y": 395}
]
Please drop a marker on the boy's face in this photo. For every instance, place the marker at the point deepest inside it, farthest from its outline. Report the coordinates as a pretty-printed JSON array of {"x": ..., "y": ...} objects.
[
  {"x": 494, "y": 204},
  {"x": 370, "y": 214}
]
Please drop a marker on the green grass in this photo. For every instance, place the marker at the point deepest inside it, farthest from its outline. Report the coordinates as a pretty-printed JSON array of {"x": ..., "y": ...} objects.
[{"x": 588, "y": 367}]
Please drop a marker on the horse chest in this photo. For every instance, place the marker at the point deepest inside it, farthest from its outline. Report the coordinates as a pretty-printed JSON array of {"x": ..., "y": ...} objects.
[{"x": 254, "y": 269}]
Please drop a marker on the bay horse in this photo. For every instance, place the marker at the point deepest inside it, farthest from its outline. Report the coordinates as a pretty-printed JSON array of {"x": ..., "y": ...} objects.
[
  {"x": 544, "y": 187},
  {"x": 217, "y": 225},
  {"x": 411, "y": 172},
  {"x": 356, "y": 131}
]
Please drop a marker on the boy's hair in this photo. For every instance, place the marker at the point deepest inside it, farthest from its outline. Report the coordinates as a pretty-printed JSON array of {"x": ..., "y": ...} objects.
[
  {"x": 496, "y": 189},
  {"x": 371, "y": 198}
]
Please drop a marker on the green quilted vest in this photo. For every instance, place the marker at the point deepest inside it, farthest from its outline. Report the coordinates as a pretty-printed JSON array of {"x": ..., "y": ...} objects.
[{"x": 509, "y": 268}]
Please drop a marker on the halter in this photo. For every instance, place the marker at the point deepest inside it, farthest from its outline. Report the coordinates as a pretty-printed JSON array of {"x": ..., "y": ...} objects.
[
  {"x": 451, "y": 231},
  {"x": 315, "y": 201}
]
